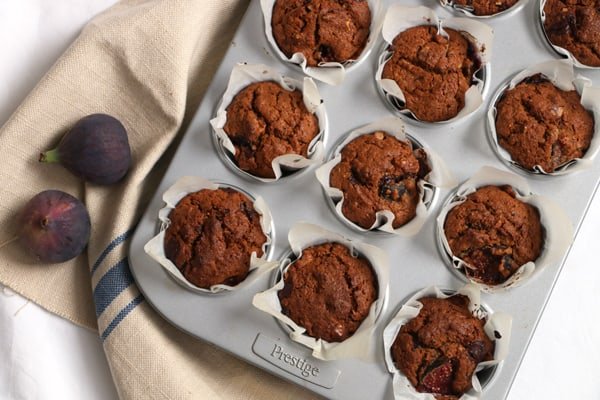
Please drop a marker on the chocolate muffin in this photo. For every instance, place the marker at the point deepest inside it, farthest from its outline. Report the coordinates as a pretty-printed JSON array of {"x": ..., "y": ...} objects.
[
  {"x": 322, "y": 30},
  {"x": 494, "y": 233},
  {"x": 433, "y": 71},
  {"x": 265, "y": 121},
  {"x": 540, "y": 124},
  {"x": 440, "y": 348},
  {"x": 486, "y": 7},
  {"x": 379, "y": 172},
  {"x": 575, "y": 26},
  {"x": 212, "y": 236},
  {"x": 328, "y": 291}
]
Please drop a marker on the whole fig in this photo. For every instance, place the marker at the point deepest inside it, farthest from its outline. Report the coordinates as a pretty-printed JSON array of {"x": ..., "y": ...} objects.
[
  {"x": 54, "y": 226},
  {"x": 96, "y": 149}
]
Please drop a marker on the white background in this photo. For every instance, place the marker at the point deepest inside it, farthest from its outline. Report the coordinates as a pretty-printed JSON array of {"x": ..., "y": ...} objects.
[{"x": 45, "y": 357}]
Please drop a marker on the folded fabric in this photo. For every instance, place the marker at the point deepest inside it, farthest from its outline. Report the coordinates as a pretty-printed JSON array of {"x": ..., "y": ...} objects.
[{"x": 146, "y": 63}]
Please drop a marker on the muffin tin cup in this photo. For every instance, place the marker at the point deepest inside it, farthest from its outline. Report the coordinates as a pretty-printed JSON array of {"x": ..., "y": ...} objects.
[
  {"x": 439, "y": 177},
  {"x": 191, "y": 184},
  {"x": 400, "y": 18},
  {"x": 561, "y": 74},
  {"x": 561, "y": 51},
  {"x": 331, "y": 73},
  {"x": 497, "y": 327},
  {"x": 557, "y": 227},
  {"x": 466, "y": 10},
  {"x": 361, "y": 344},
  {"x": 284, "y": 166}
]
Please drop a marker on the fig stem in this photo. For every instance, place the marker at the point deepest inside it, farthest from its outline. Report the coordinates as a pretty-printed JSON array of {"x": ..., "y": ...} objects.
[
  {"x": 9, "y": 241},
  {"x": 50, "y": 156}
]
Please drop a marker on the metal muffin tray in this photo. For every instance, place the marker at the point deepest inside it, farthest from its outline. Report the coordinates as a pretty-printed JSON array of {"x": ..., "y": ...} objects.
[{"x": 230, "y": 322}]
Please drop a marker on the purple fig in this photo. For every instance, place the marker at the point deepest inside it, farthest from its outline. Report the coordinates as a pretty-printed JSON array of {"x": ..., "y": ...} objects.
[
  {"x": 55, "y": 226},
  {"x": 96, "y": 149}
]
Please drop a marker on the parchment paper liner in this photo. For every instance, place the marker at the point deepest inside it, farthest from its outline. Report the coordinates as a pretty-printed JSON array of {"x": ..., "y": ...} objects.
[
  {"x": 440, "y": 176},
  {"x": 400, "y": 18},
  {"x": 361, "y": 343},
  {"x": 561, "y": 74},
  {"x": 243, "y": 75},
  {"x": 190, "y": 184},
  {"x": 560, "y": 50},
  {"x": 558, "y": 229},
  {"x": 498, "y": 328},
  {"x": 332, "y": 73},
  {"x": 466, "y": 10}
]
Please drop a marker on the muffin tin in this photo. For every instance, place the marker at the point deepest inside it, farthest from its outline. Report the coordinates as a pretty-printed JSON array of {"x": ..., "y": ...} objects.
[{"x": 229, "y": 320}]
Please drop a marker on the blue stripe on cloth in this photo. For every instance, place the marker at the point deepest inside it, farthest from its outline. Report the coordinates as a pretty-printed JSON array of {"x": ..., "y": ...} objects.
[
  {"x": 117, "y": 279},
  {"x": 121, "y": 316},
  {"x": 112, "y": 245}
]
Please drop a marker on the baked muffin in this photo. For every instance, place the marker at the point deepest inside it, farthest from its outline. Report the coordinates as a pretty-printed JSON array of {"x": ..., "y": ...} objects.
[
  {"x": 212, "y": 236},
  {"x": 379, "y": 172},
  {"x": 322, "y": 30},
  {"x": 433, "y": 72},
  {"x": 328, "y": 291},
  {"x": 575, "y": 26},
  {"x": 540, "y": 124},
  {"x": 494, "y": 233},
  {"x": 486, "y": 7},
  {"x": 265, "y": 121},
  {"x": 439, "y": 349}
]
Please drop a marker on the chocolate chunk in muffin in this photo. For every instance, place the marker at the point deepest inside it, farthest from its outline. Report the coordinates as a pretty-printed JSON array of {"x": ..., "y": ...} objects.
[
  {"x": 486, "y": 7},
  {"x": 540, "y": 124},
  {"x": 322, "y": 30},
  {"x": 328, "y": 291},
  {"x": 440, "y": 348},
  {"x": 265, "y": 121},
  {"x": 494, "y": 233},
  {"x": 575, "y": 25},
  {"x": 379, "y": 172},
  {"x": 433, "y": 71},
  {"x": 212, "y": 236}
]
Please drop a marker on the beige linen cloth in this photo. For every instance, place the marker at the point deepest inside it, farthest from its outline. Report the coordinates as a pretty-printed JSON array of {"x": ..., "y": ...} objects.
[{"x": 148, "y": 63}]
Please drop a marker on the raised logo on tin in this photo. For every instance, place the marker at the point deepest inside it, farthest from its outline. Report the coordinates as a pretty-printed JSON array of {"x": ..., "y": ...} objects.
[{"x": 303, "y": 366}]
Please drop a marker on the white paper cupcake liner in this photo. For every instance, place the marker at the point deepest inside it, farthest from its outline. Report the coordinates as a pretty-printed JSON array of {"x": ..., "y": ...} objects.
[
  {"x": 466, "y": 10},
  {"x": 561, "y": 74},
  {"x": 560, "y": 50},
  {"x": 243, "y": 75},
  {"x": 439, "y": 177},
  {"x": 191, "y": 184},
  {"x": 332, "y": 73},
  {"x": 497, "y": 327},
  {"x": 400, "y": 18},
  {"x": 558, "y": 229},
  {"x": 361, "y": 343}
]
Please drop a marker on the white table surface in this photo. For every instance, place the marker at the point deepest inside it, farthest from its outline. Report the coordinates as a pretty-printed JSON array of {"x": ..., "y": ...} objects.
[{"x": 45, "y": 357}]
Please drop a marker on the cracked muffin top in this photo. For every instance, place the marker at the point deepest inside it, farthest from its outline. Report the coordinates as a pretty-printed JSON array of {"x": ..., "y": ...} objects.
[
  {"x": 540, "y": 124},
  {"x": 486, "y": 7},
  {"x": 379, "y": 172},
  {"x": 328, "y": 291},
  {"x": 575, "y": 25},
  {"x": 440, "y": 348},
  {"x": 433, "y": 71},
  {"x": 494, "y": 233},
  {"x": 322, "y": 30},
  {"x": 212, "y": 236},
  {"x": 265, "y": 121}
]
